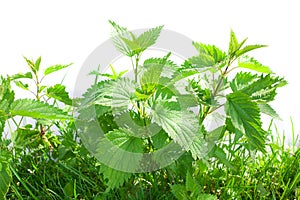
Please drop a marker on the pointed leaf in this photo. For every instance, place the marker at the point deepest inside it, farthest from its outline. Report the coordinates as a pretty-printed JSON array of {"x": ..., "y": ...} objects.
[
  {"x": 30, "y": 64},
  {"x": 259, "y": 88},
  {"x": 245, "y": 117},
  {"x": 59, "y": 93},
  {"x": 55, "y": 68},
  {"x": 22, "y": 85},
  {"x": 116, "y": 93},
  {"x": 268, "y": 110},
  {"x": 150, "y": 78},
  {"x": 118, "y": 35},
  {"x": 115, "y": 178},
  {"x": 36, "y": 109},
  {"x": 38, "y": 63},
  {"x": 149, "y": 37},
  {"x": 248, "y": 48},
  {"x": 5, "y": 179},
  {"x": 173, "y": 122},
  {"x": 21, "y": 75},
  {"x": 200, "y": 61},
  {"x": 233, "y": 44},
  {"x": 211, "y": 50},
  {"x": 252, "y": 64},
  {"x": 126, "y": 140}
]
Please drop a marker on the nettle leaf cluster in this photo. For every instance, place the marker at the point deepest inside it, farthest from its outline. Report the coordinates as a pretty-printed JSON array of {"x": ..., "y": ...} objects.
[{"x": 128, "y": 109}]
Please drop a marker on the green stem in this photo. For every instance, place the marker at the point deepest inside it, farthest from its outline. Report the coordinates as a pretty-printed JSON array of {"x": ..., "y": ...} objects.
[{"x": 207, "y": 109}]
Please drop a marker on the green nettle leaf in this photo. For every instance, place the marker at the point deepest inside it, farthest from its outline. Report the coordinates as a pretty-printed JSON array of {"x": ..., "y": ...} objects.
[
  {"x": 6, "y": 98},
  {"x": 149, "y": 37},
  {"x": 150, "y": 78},
  {"x": 59, "y": 93},
  {"x": 245, "y": 116},
  {"x": 118, "y": 36},
  {"x": 5, "y": 179},
  {"x": 30, "y": 64},
  {"x": 268, "y": 110},
  {"x": 201, "y": 61},
  {"x": 22, "y": 85},
  {"x": 129, "y": 44},
  {"x": 115, "y": 178},
  {"x": 21, "y": 75},
  {"x": 211, "y": 50},
  {"x": 233, "y": 44},
  {"x": 125, "y": 140},
  {"x": 191, "y": 185},
  {"x": 248, "y": 48},
  {"x": 252, "y": 64},
  {"x": 259, "y": 88},
  {"x": 38, "y": 63},
  {"x": 116, "y": 94},
  {"x": 36, "y": 109},
  {"x": 55, "y": 68},
  {"x": 173, "y": 122}
]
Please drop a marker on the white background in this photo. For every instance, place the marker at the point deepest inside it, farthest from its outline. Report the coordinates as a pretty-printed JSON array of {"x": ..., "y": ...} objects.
[{"x": 69, "y": 30}]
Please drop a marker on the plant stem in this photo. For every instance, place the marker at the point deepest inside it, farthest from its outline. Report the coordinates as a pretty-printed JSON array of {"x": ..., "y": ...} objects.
[{"x": 207, "y": 110}]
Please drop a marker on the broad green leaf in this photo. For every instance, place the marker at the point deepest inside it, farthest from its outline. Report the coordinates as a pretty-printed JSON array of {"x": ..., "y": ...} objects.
[
  {"x": 211, "y": 50},
  {"x": 36, "y": 109},
  {"x": 268, "y": 110},
  {"x": 191, "y": 185},
  {"x": 55, "y": 68},
  {"x": 259, "y": 88},
  {"x": 5, "y": 179},
  {"x": 59, "y": 93},
  {"x": 245, "y": 117},
  {"x": 22, "y": 85},
  {"x": 114, "y": 177},
  {"x": 132, "y": 45},
  {"x": 5, "y": 173},
  {"x": 93, "y": 93},
  {"x": 118, "y": 34},
  {"x": 162, "y": 61},
  {"x": 201, "y": 61},
  {"x": 233, "y": 43},
  {"x": 248, "y": 48},
  {"x": 173, "y": 122},
  {"x": 21, "y": 75},
  {"x": 150, "y": 78},
  {"x": 149, "y": 37},
  {"x": 6, "y": 98},
  {"x": 160, "y": 139},
  {"x": 31, "y": 65},
  {"x": 116, "y": 94},
  {"x": 129, "y": 44},
  {"x": 252, "y": 64},
  {"x": 126, "y": 140},
  {"x": 38, "y": 63}
]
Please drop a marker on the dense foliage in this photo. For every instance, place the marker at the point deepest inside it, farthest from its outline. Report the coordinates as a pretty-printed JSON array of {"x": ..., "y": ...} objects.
[{"x": 43, "y": 147}]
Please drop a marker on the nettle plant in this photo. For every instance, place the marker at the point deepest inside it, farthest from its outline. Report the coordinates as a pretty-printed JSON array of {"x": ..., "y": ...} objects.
[
  {"x": 29, "y": 121},
  {"x": 150, "y": 111}
]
